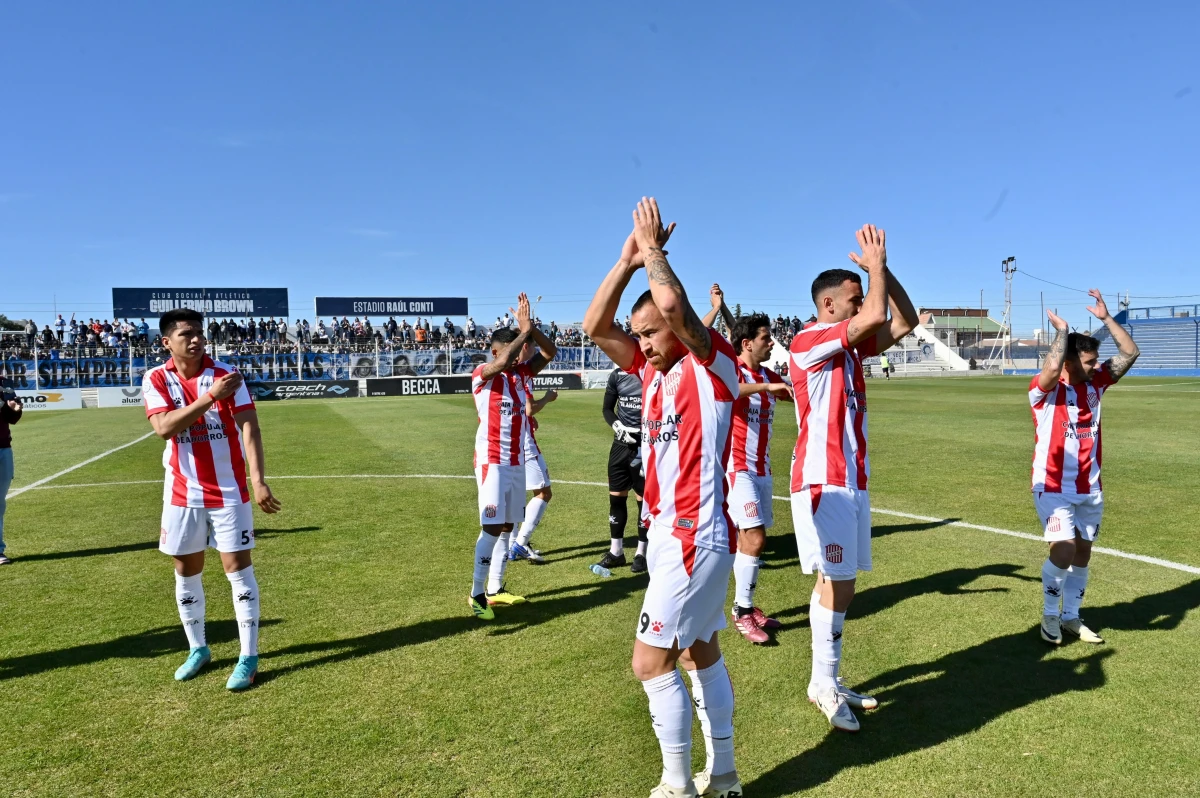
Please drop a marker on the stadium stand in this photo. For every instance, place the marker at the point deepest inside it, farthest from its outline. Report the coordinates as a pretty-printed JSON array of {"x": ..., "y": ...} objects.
[{"x": 1169, "y": 337}]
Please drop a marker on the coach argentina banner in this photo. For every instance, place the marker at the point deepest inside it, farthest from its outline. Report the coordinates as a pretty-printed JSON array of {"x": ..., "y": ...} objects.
[
  {"x": 328, "y": 389},
  {"x": 390, "y": 306},
  {"x": 129, "y": 303}
]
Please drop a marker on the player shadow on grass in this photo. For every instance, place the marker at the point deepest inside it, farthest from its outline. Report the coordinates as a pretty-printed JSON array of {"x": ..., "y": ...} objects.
[
  {"x": 509, "y": 620},
  {"x": 951, "y": 582},
  {"x": 929, "y": 703},
  {"x": 141, "y": 546},
  {"x": 143, "y": 645},
  {"x": 780, "y": 551}
]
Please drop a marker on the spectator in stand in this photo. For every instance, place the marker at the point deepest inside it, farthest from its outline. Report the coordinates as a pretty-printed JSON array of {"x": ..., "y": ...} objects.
[
  {"x": 262, "y": 330},
  {"x": 30, "y": 333},
  {"x": 10, "y": 413},
  {"x": 307, "y": 332},
  {"x": 60, "y": 326},
  {"x": 144, "y": 333},
  {"x": 469, "y": 327},
  {"x": 421, "y": 335},
  {"x": 345, "y": 329},
  {"x": 48, "y": 339},
  {"x": 74, "y": 334},
  {"x": 272, "y": 331},
  {"x": 448, "y": 326},
  {"x": 214, "y": 331},
  {"x": 321, "y": 333}
]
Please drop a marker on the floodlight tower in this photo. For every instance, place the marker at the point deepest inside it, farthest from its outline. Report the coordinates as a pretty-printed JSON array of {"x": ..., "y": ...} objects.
[{"x": 1009, "y": 267}]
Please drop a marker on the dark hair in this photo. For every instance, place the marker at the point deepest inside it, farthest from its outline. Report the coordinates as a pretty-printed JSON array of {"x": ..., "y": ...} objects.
[
  {"x": 504, "y": 336},
  {"x": 645, "y": 299},
  {"x": 831, "y": 279},
  {"x": 1078, "y": 342},
  {"x": 746, "y": 328},
  {"x": 168, "y": 320}
]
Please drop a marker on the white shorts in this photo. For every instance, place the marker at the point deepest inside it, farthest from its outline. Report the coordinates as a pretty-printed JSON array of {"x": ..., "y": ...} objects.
[
  {"x": 685, "y": 600},
  {"x": 501, "y": 494},
  {"x": 750, "y": 500},
  {"x": 187, "y": 530},
  {"x": 1062, "y": 514},
  {"x": 537, "y": 476},
  {"x": 833, "y": 530}
]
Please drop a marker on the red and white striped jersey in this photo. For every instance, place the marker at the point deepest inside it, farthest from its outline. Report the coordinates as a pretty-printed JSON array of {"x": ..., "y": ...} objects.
[
  {"x": 686, "y": 416},
  {"x": 500, "y": 405},
  {"x": 753, "y": 423},
  {"x": 1066, "y": 425},
  {"x": 831, "y": 407},
  {"x": 205, "y": 464},
  {"x": 528, "y": 441}
]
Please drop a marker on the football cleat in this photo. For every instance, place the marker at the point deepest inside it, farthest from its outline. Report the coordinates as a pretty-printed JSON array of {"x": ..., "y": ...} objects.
[
  {"x": 1075, "y": 626},
  {"x": 243, "y": 673},
  {"x": 665, "y": 790},
  {"x": 610, "y": 560},
  {"x": 833, "y": 705},
  {"x": 726, "y": 785},
  {"x": 502, "y": 596},
  {"x": 480, "y": 606},
  {"x": 639, "y": 564},
  {"x": 749, "y": 628},
  {"x": 197, "y": 659},
  {"x": 857, "y": 700},
  {"x": 519, "y": 552},
  {"x": 5, "y": 560},
  {"x": 763, "y": 621},
  {"x": 1051, "y": 629}
]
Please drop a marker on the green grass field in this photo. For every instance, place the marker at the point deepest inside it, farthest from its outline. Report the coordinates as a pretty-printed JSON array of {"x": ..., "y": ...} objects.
[{"x": 375, "y": 680}]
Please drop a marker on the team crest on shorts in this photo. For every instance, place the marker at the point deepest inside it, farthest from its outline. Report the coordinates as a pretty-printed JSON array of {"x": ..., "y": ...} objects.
[
  {"x": 656, "y": 627},
  {"x": 1053, "y": 525},
  {"x": 833, "y": 553},
  {"x": 751, "y": 509},
  {"x": 489, "y": 511}
]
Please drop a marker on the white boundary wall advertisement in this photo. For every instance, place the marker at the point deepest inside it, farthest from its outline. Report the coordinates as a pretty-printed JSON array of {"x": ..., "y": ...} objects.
[
  {"x": 119, "y": 397},
  {"x": 51, "y": 399}
]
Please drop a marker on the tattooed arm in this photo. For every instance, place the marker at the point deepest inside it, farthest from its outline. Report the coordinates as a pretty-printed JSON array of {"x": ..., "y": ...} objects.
[
  {"x": 904, "y": 318},
  {"x": 873, "y": 260},
  {"x": 1127, "y": 350},
  {"x": 1053, "y": 366},
  {"x": 717, "y": 297},
  {"x": 509, "y": 354},
  {"x": 669, "y": 296}
]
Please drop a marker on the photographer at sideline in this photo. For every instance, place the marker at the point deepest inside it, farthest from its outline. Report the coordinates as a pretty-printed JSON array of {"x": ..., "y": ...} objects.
[{"x": 10, "y": 413}]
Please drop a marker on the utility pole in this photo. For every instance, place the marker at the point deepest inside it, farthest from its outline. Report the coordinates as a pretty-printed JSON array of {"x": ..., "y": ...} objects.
[{"x": 1009, "y": 267}]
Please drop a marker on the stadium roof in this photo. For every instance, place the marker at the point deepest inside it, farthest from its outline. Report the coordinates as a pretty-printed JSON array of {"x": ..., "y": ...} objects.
[{"x": 966, "y": 323}]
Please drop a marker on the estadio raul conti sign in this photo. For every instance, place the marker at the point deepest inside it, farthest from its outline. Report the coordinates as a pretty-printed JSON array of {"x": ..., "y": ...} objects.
[{"x": 390, "y": 306}]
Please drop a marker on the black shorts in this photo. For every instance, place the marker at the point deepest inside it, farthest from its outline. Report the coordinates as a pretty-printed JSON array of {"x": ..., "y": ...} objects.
[{"x": 625, "y": 469}]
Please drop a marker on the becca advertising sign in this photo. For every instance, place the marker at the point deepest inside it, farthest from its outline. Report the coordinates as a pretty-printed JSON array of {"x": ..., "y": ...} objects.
[
  {"x": 418, "y": 386},
  {"x": 324, "y": 389},
  {"x": 56, "y": 399},
  {"x": 119, "y": 397}
]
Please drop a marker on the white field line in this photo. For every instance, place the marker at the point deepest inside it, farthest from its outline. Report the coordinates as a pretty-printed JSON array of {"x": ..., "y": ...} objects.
[
  {"x": 1177, "y": 566},
  {"x": 89, "y": 461}
]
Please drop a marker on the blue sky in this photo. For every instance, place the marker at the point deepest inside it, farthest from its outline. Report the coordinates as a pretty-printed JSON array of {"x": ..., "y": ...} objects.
[{"x": 451, "y": 148}]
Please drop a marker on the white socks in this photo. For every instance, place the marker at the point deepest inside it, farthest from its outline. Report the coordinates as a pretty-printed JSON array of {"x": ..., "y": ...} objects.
[
  {"x": 616, "y": 546},
  {"x": 533, "y": 516},
  {"x": 641, "y": 549},
  {"x": 189, "y": 595},
  {"x": 827, "y": 628},
  {"x": 484, "y": 545},
  {"x": 714, "y": 704},
  {"x": 745, "y": 578},
  {"x": 671, "y": 716},
  {"x": 245, "y": 608},
  {"x": 1053, "y": 578},
  {"x": 499, "y": 562},
  {"x": 1074, "y": 587}
]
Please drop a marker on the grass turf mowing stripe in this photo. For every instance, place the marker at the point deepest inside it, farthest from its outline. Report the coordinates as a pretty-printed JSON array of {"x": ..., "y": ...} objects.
[
  {"x": 89, "y": 461},
  {"x": 1177, "y": 566}
]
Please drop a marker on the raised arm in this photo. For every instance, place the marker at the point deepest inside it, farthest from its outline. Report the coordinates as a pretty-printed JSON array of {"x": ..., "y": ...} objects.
[
  {"x": 247, "y": 422},
  {"x": 509, "y": 354},
  {"x": 873, "y": 260},
  {"x": 1127, "y": 350},
  {"x": 669, "y": 296},
  {"x": 546, "y": 348},
  {"x": 717, "y": 297},
  {"x": 904, "y": 318},
  {"x": 168, "y": 425},
  {"x": 598, "y": 321},
  {"x": 1052, "y": 368}
]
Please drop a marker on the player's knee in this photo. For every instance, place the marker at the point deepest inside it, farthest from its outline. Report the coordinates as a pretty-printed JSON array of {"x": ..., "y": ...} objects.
[
  {"x": 1062, "y": 553},
  {"x": 545, "y": 494},
  {"x": 752, "y": 541},
  {"x": 620, "y": 494},
  {"x": 1083, "y": 553}
]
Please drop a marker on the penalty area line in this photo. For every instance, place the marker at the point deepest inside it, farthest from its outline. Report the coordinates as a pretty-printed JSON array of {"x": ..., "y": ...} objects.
[{"x": 1176, "y": 566}]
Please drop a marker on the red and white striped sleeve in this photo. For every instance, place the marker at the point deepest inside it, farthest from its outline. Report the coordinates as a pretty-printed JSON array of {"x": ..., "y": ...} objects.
[
  {"x": 814, "y": 346},
  {"x": 154, "y": 393},
  {"x": 242, "y": 400},
  {"x": 722, "y": 363},
  {"x": 1103, "y": 378},
  {"x": 772, "y": 377},
  {"x": 477, "y": 380},
  {"x": 1037, "y": 397},
  {"x": 639, "y": 365}
]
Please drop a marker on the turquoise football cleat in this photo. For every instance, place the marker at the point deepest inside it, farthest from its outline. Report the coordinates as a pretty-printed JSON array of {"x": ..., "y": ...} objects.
[
  {"x": 243, "y": 674},
  {"x": 197, "y": 659}
]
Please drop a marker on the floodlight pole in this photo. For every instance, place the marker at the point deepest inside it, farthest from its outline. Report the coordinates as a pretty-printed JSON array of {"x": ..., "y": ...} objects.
[{"x": 1009, "y": 267}]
